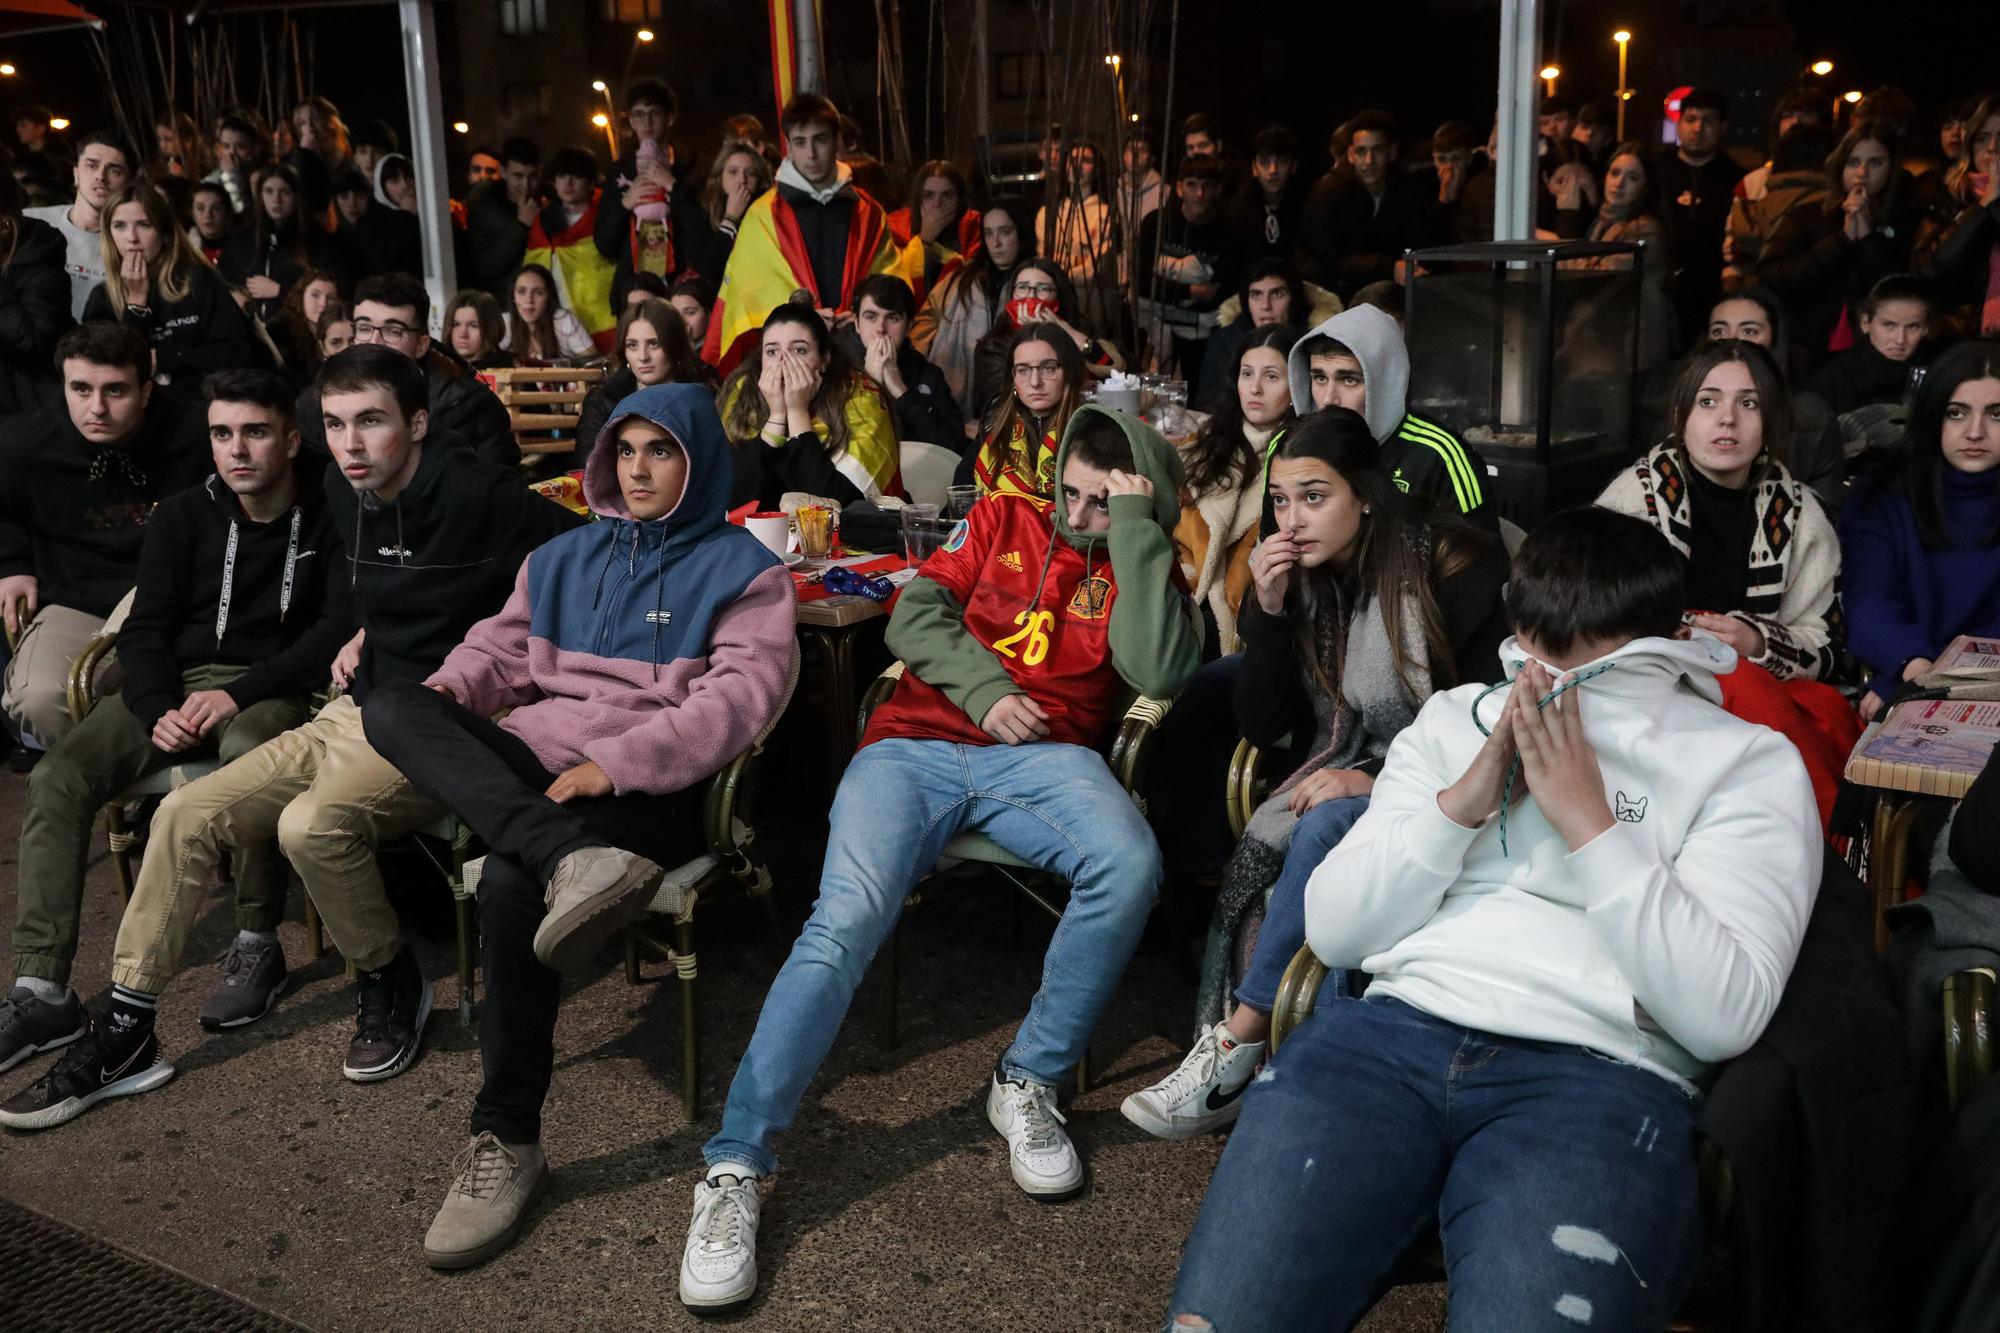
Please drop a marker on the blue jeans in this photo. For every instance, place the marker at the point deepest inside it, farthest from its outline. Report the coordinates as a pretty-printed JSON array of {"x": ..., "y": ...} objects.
[
  {"x": 1563, "y": 1182},
  {"x": 900, "y": 802},
  {"x": 1319, "y": 831}
]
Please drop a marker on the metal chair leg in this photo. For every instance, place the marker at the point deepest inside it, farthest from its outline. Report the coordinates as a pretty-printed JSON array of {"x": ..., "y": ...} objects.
[
  {"x": 684, "y": 965},
  {"x": 464, "y": 913},
  {"x": 631, "y": 942}
]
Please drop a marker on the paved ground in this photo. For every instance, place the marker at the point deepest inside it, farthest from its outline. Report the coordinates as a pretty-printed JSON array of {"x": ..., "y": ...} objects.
[{"x": 261, "y": 1171}]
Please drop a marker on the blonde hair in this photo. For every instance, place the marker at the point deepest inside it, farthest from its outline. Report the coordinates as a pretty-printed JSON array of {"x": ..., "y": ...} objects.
[
  {"x": 172, "y": 272},
  {"x": 712, "y": 195}
]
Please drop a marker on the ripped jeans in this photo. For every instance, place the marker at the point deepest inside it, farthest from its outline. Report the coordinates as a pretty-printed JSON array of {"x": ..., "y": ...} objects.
[{"x": 1563, "y": 1183}]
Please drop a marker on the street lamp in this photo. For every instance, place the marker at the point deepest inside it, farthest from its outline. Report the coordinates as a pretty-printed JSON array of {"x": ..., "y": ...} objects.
[
  {"x": 645, "y": 34},
  {"x": 1851, "y": 96},
  {"x": 1624, "y": 40},
  {"x": 1822, "y": 67},
  {"x": 7, "y": 71},
  {"x": 1550, "y": 73},
  {"x": 58, "y": 122},
  {"x": 460, "y": 127}
]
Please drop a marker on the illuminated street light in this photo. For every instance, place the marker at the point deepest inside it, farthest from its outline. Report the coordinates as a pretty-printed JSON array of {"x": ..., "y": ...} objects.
[
  {"x": 1851, "y": 96},
  {"x": 1550, "y": 73},
  {"x": 645, "y": 34},
  {"x": 7, "y": 71},
  {"x": 1624, "y": 40},
  {"x": 58, "y": 122},
  {"x": 600, "y": 120},
  {"x": 460, "y": 127},
  {"x": 597, "y": 85},
  {"x": 1822, "y": 67}
]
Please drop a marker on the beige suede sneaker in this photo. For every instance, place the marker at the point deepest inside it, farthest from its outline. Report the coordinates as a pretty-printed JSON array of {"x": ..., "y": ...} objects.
[
  {"x": 497, "y": 1184},
  {"x": 593, "y": 893}
]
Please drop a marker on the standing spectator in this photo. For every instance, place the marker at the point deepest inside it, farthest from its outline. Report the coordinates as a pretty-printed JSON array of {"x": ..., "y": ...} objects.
[
  {"x": 1458, "y": 188},
  {"x": 562, "y": 241},
  {"x": 1931, "y": 197},
  {"x": 474, "y": 326},
  {"x": 693, "y": 298},
  {"x": 653, "y": 348},
  {"x": 1266, "y": 211},
  {"x": 802, "y": 419},
  {"x": 1189, "y": 260},
  {"x": 961, "y": 309},
  {"x": 1918, "y": 539},
  {"x": 1080, "y": 234},
  {"x": 41, "y": 143},
  {"x": 1795, "y": 178},
  {"x": 1960, "y": 248},
  {"x": 1272, "y": 293},
  {"x": 214, "y": 219},
  {"x": 292, "y": 330},
  {"x": 741, "y": 173},
  {"x": 159, "y": 286},
  {"x": 1018, "y": 454},
  {"x": 1627, "y": 215},
  {"x": 1359, "y": 221},
  {"x": 1693, "y": 186},
  {"x": 1823, "y": 261},
  {"x": 1595, "y": 135},
  {"x": 648, "y": 220},
  {"x": 320, "y": 149},
  {"x": 498, "y": 215},
  {"x": 1038, "y": 293},
  {"x": 919, "y": 398},
  {"x": 104, "y": 166},
  {"x": 937, "y": 216},
  {"x": 482, "y": 167},
  {"x": 281, "y": 242},
  {"x": 69, "y": 543},
  {"x": 395, "y": 183},
  {"x": 1201, "y": 136},
  {"x": 1141, "y": 188},
  {"x": 1801, "y": 107},
  {"x": 371, "y": 142},
  {"x": 372, "y": 236},
  {"x": 540, "y": 332},
  {"x": 842, "y": 236},
  {"x": 34, "y": 305},
  {"x": 242, "y": 148},
  {"x": 179, "y": 150}
]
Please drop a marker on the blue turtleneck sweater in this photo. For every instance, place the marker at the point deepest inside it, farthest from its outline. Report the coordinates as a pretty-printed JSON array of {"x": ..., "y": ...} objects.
[{"x": 1906, "y": 600}]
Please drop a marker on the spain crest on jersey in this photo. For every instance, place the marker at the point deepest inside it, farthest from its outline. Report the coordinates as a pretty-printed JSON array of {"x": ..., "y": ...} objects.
[{"x": 1093, "y": 598}]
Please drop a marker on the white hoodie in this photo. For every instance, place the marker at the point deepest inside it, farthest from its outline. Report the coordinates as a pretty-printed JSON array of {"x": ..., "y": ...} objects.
[{"x": 1664, "y": 942}]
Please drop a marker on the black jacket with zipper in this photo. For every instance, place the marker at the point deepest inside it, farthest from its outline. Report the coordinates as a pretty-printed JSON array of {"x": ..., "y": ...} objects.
[
  {"x": 461, "y": 405},
  {"x": 424, "y": 567},
  {"x": 286, "y": 613},
  {"x": 34, "y": 312},
  {"x": 79, "y": 535}
]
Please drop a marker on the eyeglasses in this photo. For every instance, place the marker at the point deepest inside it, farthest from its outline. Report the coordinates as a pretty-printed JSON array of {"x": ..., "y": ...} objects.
[
  {"x": 1041, "y": 291},
  {"x": 394, "y": 331},
  {"x": 1040, "y": 370}
]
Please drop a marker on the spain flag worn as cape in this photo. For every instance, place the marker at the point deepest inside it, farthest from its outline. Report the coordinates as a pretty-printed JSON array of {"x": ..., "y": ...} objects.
[
  {"x": 583, "y": 275},
  {"x": 769, "y": 263}
]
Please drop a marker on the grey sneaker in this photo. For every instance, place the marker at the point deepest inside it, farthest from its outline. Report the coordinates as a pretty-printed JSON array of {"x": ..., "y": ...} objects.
[
  {"x": 497, "y": 1184},
  {"x": 28, "y": 1024},
  {"x": 593, "y": 893},
  {"x": 252, "y": 977}
]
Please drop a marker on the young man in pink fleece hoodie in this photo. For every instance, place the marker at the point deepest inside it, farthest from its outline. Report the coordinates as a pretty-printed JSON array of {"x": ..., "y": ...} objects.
[{"x": 640, "y": 654}]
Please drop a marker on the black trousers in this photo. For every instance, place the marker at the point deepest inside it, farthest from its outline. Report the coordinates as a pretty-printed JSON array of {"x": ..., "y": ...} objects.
[{"x": 489, "y": 778}]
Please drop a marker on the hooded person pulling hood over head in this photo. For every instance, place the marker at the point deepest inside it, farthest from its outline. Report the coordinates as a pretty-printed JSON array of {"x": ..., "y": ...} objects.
[{"x": 1358, "y": 360}]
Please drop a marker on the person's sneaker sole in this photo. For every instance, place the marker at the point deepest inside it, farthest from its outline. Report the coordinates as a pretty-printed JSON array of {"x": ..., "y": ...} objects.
[
  {"x": 36, "y": 1048},
  {"x": 65, "y": 1111},
  {"x": 211, "y": 1025},
  {"x": 724, "y": 1305},
  {"x": 1172, "y": 1129},
  {"x": 566, "y": 941},
  {"x": 1036, "y": 1187},
  {"x": 479, "y": 1254},
  {"x": 404, "y": 1058}
]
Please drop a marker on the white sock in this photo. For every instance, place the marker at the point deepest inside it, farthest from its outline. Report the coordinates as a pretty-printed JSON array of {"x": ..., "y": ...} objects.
[
  {"x": 246, "y": 938},
  {"x": 743, "y": 1174},
  {"x": 42, "y": 988}
]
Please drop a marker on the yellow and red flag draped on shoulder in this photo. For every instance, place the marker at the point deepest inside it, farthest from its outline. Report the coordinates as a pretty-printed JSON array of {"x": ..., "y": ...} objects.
[
  {"x": 769, "y": 263},
  {"x": 583, "y": 275}
]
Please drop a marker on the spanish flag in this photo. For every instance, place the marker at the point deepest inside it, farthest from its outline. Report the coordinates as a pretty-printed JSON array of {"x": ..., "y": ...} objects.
[
  {"x": 784, "y": 50},
  {"x": 769, "y": 262}
]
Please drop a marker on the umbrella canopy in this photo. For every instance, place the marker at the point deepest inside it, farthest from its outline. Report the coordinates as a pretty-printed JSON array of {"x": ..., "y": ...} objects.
[{"x": 22, "y": 18}]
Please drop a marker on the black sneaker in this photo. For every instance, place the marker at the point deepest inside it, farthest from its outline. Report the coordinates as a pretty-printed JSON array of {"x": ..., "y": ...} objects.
[
  {"x": 28, "y": 1024},
  {"x": 252, "y": 978},
  {"x": 103, "y": 1064},
  {"x": 389, "y": 1027}
]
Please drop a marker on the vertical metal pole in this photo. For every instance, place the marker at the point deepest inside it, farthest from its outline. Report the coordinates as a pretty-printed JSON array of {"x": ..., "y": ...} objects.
[
  {"x": 1624, "y": 92},
  {"x": 1514, "y": 167},
  {"x": 420, "y": 82},
  {"x": 982, "y": 60},
  {"x": 809, "y": 67}
]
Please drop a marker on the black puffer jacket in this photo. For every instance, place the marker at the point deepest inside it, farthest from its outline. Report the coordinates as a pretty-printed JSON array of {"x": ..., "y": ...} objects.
[
  {"x": 460, "y": 404},
  {"x": 34, "y": 311}
]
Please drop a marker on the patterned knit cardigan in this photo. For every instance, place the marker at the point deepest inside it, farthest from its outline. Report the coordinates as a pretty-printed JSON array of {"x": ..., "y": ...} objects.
[{"x": 1793, "y": 590}]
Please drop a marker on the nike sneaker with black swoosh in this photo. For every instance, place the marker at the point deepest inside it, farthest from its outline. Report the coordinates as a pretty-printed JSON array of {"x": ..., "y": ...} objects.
[
  {"x": 103, "y": 1063},
  {"x": 1201, "y": 1096}
]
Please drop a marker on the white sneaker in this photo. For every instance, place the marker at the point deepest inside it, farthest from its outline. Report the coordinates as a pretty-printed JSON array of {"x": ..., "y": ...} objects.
[
  {"x": 719, "y": 1261},
  {"x": 1204, "y": 1094},
  {"x": 1039, "y": 1152}
]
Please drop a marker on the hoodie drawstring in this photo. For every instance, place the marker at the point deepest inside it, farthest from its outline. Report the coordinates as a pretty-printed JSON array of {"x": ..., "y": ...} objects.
[
  {"x": 229, "y": 575},
  {"x": 1514, "y": 766},
  {"x": 659, "y": 602}
]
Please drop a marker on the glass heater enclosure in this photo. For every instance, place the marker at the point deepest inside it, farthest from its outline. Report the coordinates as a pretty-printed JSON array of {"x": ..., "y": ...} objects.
[{"x": 1528, "y": 351}]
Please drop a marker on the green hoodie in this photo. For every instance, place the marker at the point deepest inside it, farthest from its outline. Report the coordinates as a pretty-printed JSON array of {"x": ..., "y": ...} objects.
[{"x": 1153, "y": 642}]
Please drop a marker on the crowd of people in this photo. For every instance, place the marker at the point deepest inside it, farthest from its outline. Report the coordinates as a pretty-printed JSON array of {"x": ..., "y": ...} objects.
[{"x": 1552, "y": 807}]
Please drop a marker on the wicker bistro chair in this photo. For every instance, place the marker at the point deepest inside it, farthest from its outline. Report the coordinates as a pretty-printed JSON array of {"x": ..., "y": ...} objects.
[
  {"x": 544, "y": 404},
  {"x": 730, "y": 861},
  {"x": 1127, "y": 757}
]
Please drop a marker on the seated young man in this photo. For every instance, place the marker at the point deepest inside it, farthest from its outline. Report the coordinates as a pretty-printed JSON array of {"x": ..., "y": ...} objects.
[
  {"x": 1358, "y": 360},
  {"x": 1574, "y": 899},
  {"x": 624, "y": 702},
  {"x": 434, "y": 539},
  {"x": 78, "y": 480},
  {"x": 918, "y": 393},
  {"x": 1021, "y": 637},
  {"x": 236, "y": 620}
]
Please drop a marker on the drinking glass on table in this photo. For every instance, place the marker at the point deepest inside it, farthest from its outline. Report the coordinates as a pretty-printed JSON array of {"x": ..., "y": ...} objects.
[
  {"x": 815, "y": 531},
  {"x": 917, "y": 521},
  {"x": 959, "y": 501}
]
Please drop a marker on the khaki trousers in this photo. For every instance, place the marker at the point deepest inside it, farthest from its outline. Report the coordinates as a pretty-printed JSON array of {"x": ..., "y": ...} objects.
[
  {"x": 330, "y": 800},
  {"x": 35, "y": 695}
]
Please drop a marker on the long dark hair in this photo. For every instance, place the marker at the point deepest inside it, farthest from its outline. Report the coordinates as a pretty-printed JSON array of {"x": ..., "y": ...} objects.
[
  {"x": 1774, "y": 399},
  {"x": 1221, "y": 454},
  {"x": 1860, "y": 132},
  {"x": 290, "y": 235},
  {"x": 541, "y": 339},
  {"x": 1923, "y": 469},
  {"x": 1389, "y": 561},
  {"x": 980, "y": 273},
  {"x": 683, "y": 366},
  {"x": 743, "y": 397},
  {"x": 1011, "y": 409}
]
